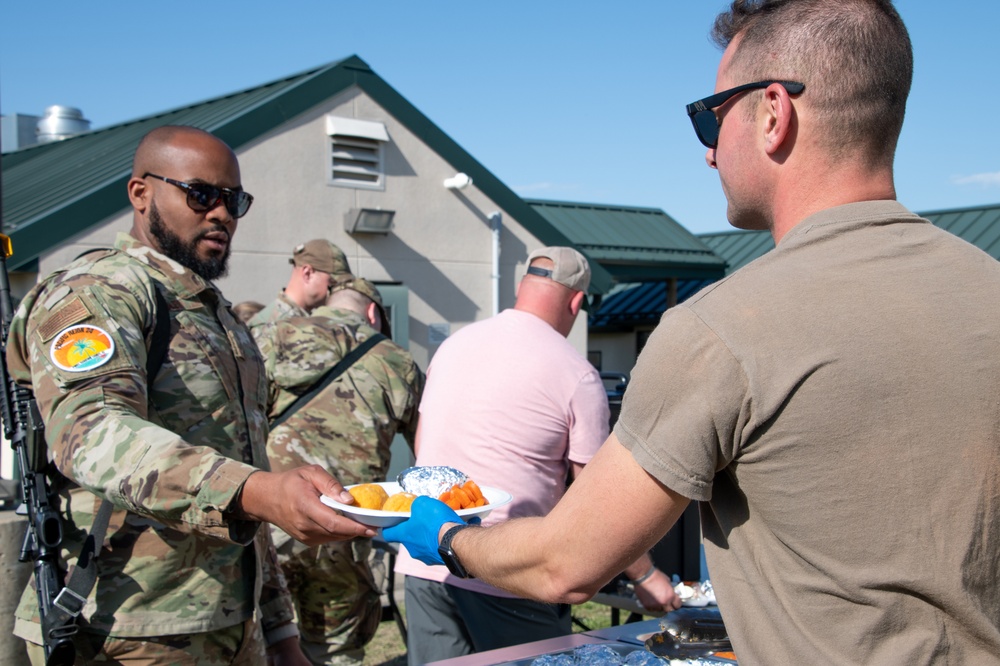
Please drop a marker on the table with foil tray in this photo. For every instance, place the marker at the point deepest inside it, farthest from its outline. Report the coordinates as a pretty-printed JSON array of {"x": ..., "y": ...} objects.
[
  {"x": 623, "y": 650},
  {"x": 637, "y": 633},
  {"x": 624, "y": 639}
]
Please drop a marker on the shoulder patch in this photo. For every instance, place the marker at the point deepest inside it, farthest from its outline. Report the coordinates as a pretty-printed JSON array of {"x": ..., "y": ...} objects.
[
  {"x": 82, "y": 348},
  {"x": 72, "y": 313}
]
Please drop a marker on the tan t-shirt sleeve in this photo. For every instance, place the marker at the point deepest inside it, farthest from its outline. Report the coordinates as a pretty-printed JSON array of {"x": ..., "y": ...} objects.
[{"x": 686, "y": 405}]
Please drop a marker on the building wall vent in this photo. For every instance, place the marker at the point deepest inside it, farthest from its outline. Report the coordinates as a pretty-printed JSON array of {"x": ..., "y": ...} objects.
[
  {"x": 61, "y": 122},
  {"x": 356, "y": 152}
]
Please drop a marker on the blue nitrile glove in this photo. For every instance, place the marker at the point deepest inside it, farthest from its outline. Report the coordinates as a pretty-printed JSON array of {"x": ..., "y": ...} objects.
[{"x": 420, "y": 532}]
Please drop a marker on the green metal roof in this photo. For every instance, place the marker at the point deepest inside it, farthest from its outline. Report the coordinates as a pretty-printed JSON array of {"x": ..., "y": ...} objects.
[
  {"x": 633, "y": 244},
  {"x": 630, "y": 305},
  {"x": 978, "y": 225},
  {"x": 54, "y": 191},
  {"x": 738, "y": 248}
]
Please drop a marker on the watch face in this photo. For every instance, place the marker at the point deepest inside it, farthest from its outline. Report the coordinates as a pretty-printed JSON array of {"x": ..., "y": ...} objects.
[{"x": 454, "y": 566}]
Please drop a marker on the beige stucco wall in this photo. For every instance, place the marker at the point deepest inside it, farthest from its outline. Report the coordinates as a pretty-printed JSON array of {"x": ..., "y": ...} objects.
[
  {"x": 440, "y": 247},
  {"x": 617, "y": 351}
]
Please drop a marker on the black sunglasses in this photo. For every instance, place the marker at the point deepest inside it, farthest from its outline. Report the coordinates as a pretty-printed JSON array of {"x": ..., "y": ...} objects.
[
  {"x": 702, "y": 113},
  {"x": 202, "y": 196}
]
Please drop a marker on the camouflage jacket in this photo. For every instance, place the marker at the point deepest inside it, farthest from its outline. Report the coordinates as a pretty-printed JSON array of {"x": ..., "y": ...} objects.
[
  {"x": 174, "y": 560},
  {"x": 282, "y": 308},
  {"x": 348, "y": 427}
]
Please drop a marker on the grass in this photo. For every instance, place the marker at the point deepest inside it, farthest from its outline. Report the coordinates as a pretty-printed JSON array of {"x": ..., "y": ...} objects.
[{"x": 387, "y": 648}]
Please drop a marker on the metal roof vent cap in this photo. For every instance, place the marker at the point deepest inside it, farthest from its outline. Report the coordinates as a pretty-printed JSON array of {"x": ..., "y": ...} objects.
[{"x": 61, "y": 122}]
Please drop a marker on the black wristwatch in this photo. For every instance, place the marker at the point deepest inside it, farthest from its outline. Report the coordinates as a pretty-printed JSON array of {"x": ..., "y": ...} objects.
[{"x": 449, "y": 556}]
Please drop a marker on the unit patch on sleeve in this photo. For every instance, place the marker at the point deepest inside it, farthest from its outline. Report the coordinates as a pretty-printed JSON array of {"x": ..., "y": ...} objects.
[{"x": 82, "y": 348}]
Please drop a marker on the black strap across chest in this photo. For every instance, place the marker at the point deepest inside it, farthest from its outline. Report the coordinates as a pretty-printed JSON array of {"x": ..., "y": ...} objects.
[{"x": 334, "y": 372}]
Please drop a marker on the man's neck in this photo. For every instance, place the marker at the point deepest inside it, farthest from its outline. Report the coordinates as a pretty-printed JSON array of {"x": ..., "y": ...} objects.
[
  {"x": 295, "y": 296},
  {"x": 827, "y": 189},
  {"x": 546, "y": 314}
]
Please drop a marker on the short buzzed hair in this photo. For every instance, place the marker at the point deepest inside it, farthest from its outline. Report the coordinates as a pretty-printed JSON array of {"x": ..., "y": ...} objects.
[
  {"x": 350, "y": 299},
  {"x": 854, "y": 57}
]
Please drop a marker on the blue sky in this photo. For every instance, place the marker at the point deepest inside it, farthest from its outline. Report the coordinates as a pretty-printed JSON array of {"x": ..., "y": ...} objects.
[{"x": 578, "y": 101}]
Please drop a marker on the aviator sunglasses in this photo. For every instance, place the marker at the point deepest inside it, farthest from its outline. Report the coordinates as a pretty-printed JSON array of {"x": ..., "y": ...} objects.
[
  {"x": 202, "y": 196},
  {"x": 702, "y": 113}
]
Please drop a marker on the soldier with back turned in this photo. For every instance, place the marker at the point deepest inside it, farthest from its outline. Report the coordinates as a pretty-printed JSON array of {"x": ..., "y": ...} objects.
[{"x": 347, "y": 428}]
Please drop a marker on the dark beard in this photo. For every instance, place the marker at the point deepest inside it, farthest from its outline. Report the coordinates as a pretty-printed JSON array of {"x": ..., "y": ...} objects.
[{"x": 186, "y": 254}]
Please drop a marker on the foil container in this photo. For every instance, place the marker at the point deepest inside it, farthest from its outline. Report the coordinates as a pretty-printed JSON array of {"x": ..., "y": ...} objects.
[
  {"x": 430, "y": 480},
  {"x": 690, "y": 633},
  {"x": 609, "y": 654}
]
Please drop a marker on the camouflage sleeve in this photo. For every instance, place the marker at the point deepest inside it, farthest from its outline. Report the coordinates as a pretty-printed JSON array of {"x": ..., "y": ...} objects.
[
  {"x": 415, "y": 382},
  {"x": 276, "y": 606},
  {"x": 81, "y": 341},
  {"x": 405, "y": 386},
  {"x": 263, "y": 335}
]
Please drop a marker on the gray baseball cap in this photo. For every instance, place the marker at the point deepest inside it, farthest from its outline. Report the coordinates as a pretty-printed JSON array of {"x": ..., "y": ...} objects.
[{"x": 570, "y": 267}]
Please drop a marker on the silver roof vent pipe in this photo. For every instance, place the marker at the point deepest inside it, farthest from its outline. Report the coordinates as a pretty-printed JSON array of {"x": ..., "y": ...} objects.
[{"x": 61, "y": 122}]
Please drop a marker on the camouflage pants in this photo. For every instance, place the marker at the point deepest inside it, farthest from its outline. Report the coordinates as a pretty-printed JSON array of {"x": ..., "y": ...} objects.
[
  {"x": 239, "y": 645},
  {"x": 336, "y": 598}
]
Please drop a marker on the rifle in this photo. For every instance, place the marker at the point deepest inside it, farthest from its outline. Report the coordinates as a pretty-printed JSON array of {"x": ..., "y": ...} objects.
[{"x": 22, "y": 424}]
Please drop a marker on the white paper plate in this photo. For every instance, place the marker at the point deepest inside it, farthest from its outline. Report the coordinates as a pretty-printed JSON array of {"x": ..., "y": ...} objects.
[{"x": 376, "y": 518}]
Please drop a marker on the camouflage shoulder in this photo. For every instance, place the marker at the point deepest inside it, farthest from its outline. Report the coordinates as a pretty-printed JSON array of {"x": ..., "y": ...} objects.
[
  {"x": 303, "y": 351},
  {"x": 278, "y": 309},
  {"x": 399, "y": 363},
  {"x": 395, "y": 354},
  {"x": 83, "y": 318},
  {"x": 263, "y": 335},
  {"x": 102, "y": 268},
  {"x": 299, "y": 333}
]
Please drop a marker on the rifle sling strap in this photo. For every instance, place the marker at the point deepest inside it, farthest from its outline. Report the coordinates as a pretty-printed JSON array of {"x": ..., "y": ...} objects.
[
  {"x": 60, "y": 621},
  {"x": 334, "y": 372}
]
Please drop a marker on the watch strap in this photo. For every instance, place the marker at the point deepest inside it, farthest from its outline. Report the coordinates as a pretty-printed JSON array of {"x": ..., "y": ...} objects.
[{"x": 448, "y": 555}]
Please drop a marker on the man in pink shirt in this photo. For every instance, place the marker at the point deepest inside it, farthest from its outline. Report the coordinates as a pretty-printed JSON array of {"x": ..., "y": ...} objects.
[{"x": 513, "y": 405}]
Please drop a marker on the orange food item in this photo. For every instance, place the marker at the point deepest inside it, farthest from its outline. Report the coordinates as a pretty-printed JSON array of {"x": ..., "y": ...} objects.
[
  {"x": 463, "y": 497},
  {"x": 369, "y": 495},
  {"x": 466, "y": 496},
  {"x": 477, "y": 494},
  {"x": 399, "y": 502},
  {"x": 449, "y": 498}
]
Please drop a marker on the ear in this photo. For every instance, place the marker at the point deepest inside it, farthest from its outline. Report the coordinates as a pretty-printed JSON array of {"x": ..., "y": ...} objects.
[
  {"x": 779, "y": 119},
  {"x": 139, "y": 194},
  {"x": 576, "y": 302},
  {"x": 374, "y": 316}
]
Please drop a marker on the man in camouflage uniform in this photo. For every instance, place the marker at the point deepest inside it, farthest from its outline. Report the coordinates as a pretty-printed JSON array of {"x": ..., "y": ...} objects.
[
  {"x": 184, "y": 576},
  {"x": 318, "y": 264},
  {"x": 348, "y": 429}
]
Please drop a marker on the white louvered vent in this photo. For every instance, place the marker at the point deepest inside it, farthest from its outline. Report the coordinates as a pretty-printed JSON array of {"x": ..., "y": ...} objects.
[{"x": 356, "y": 152}]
